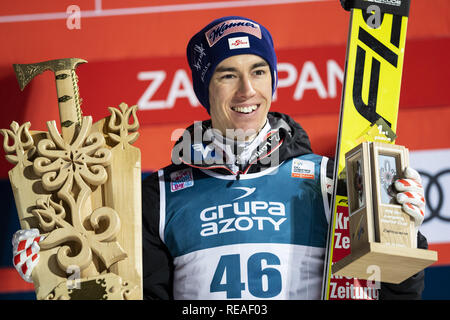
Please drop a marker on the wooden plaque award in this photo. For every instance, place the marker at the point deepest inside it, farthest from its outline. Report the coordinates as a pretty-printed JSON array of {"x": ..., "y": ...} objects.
[
  {"x": 382, "y": 235},
  {"x": 82, "y": 189}
]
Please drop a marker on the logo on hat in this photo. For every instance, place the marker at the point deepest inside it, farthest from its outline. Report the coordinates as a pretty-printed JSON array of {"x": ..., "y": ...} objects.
[
  {"x": 239, "y": 42},
  {"x": 231, "y": 26}
]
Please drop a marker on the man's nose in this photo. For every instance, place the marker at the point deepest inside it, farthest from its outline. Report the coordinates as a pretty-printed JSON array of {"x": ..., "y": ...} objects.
[{"x": 246, "y": 89}]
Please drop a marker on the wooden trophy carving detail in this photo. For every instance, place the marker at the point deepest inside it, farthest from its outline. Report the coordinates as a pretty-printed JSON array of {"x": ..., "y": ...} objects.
[{"x": 82, "y": 189}]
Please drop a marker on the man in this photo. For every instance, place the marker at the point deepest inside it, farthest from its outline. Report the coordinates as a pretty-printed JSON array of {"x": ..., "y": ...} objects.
[{"x": 243, "y": 210}]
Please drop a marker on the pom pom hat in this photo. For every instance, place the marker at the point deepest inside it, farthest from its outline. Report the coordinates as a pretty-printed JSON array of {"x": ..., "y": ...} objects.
[{"x": 221, "y": 39}]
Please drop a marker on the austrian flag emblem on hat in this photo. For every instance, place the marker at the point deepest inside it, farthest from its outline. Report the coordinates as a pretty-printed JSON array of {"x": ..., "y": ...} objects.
[
  {"x": 239, "y": 42},
  {"x": 231, "y": 26}
]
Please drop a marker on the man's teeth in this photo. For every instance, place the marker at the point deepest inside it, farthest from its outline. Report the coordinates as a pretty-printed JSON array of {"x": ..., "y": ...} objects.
[{"x": 247, "y": 109}]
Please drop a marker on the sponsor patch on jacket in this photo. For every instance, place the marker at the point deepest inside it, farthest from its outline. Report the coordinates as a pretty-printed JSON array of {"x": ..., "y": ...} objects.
[
  {"x": 181, "y": 179},
  {"x": 302, "y": 169},
  {"x": 231, "y": 26}
]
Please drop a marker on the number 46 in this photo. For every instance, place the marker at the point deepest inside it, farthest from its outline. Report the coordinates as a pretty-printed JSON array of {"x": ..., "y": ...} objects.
[{"x": 230, "y": 267}]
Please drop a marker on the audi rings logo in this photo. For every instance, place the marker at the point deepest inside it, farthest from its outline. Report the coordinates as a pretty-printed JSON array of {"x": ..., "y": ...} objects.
[{"x": 435, "y": 194}]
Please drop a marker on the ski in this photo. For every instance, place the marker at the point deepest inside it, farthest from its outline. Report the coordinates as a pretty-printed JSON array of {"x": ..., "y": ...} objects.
[{"x": 369, "y": 109}]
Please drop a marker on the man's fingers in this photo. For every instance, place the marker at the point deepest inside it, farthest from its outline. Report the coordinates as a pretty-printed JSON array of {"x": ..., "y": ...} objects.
[
  {"x": 26, "y": 251},
  {"x": 410, "y": 185},
  {"x": 411, "y": 173},
  {"x": 411, "y": 195},
  {"x": 414, "y": 211},
  {"x": 24, "y": 255},
  {"x": 26, "y": 260},
  {"x": 413, "y": 198},
  {"x": 24, "y": 244},
  {"x": 24, "y": 234},
  {"x": 26, "y": 269}
]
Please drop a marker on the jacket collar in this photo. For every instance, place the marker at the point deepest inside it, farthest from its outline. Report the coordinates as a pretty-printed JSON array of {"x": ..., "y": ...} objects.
[{"x": 203, "y": 147}]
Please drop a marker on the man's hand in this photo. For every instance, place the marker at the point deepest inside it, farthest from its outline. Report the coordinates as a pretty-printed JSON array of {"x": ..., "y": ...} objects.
[
  {"x": 411, "y": 195},
  {"x": 26, "y": 252}
]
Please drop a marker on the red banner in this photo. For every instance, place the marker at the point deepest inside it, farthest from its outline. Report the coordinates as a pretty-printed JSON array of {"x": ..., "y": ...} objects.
[{"x": 310, "y": 82}]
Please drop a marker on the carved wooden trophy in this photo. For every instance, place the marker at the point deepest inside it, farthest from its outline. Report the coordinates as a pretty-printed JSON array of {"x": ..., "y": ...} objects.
[{"x": 82, "y": 189}]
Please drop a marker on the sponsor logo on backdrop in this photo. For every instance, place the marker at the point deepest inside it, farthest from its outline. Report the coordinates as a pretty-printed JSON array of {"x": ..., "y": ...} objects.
[
  {"x": 297, "y": 81},
  {"x": 434, "y": 169},
  {"x": 436, "y": 189}
]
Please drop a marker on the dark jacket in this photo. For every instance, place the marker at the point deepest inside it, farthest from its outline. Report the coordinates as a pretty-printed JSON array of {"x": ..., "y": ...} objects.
[{"x": 158, "y": 263}]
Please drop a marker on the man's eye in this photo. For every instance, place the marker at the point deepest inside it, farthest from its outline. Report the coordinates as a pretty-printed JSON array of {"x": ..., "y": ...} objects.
[
  {"x": 260, "y": 72},
  {"x": 227, "y": 76}
]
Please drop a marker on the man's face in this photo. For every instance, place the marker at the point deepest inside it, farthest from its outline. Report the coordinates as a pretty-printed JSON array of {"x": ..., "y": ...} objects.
[{"x": 240, "y": 93}]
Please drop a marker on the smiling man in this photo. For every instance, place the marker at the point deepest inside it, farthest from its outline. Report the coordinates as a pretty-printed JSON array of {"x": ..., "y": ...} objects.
[
  {"x": 242, "y": 213},
  {"x": 240, "y": 94},
  {"x": 243, "y": 210}
]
